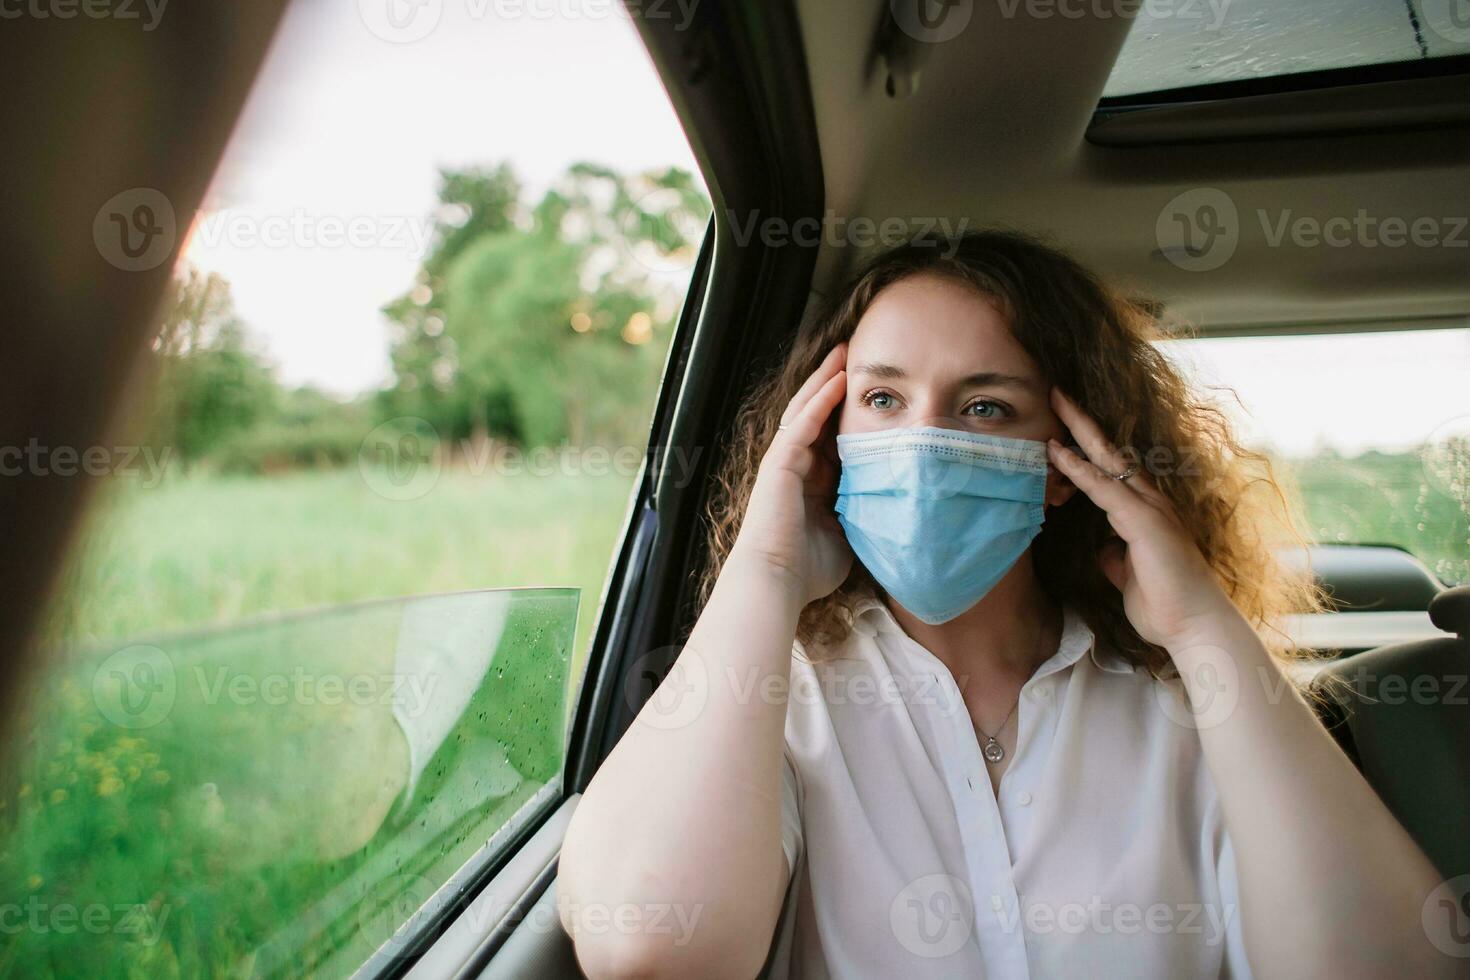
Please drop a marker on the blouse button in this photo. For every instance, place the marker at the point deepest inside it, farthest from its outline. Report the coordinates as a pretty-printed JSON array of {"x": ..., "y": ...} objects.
[
  {"x": 996, "y": 903},
  {"x": 1024, "y": 799},
  {"x": 1040, "y": 693}
]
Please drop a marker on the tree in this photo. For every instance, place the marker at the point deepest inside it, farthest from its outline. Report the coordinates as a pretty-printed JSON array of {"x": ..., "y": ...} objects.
[
  {"x": 543, "y": 324},
  {"x": 210, "y": 383},
  {"x": 474, "y": 204}
]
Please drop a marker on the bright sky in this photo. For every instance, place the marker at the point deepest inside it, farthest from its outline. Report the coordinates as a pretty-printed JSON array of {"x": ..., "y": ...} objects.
[
  {"x": 345, "y": 131},
  {"x": 1349, "y": 391},
  {"x": 343, "y": 135}
]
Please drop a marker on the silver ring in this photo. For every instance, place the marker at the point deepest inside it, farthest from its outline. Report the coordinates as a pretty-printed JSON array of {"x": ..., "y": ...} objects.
[{"x": 1130, "y": 471}]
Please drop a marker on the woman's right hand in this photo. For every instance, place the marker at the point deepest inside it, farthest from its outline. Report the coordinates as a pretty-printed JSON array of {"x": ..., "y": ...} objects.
[{"x": 789, "y": 522}]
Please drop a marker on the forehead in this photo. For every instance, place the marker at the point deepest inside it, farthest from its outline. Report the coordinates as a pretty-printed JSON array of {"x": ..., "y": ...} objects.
[{"x": 928, "y": 324}]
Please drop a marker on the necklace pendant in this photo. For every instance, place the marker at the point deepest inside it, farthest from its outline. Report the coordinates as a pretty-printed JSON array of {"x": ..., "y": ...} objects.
[{"x": 993, "y": 750}]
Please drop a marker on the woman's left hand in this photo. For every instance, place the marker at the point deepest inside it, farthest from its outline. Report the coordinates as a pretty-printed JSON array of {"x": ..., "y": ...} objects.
[{"x": 1170, "y": 594}]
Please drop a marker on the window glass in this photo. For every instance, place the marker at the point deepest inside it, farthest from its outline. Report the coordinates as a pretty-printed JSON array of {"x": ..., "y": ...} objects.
[
  {"x": 1374, "y": 429},
  {"x": 278, "y": 795},
  {"x": 320, "y": 637},
  {"x": 1178, "y": 43}
]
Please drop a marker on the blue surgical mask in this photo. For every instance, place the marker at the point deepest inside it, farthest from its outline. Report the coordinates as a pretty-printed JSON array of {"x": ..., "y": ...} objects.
[{"x": 938, "y": 516}]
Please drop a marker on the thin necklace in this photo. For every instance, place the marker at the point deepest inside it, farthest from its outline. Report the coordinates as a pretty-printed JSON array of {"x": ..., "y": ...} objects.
[{"x": 992, "y": 750}]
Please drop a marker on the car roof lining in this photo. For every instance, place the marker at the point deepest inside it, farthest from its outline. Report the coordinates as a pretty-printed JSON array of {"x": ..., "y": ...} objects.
[{"x": 996, "y": 135}]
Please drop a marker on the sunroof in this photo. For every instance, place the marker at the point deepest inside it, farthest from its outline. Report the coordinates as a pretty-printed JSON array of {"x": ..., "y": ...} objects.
[{"x": 1181, "y": 43}]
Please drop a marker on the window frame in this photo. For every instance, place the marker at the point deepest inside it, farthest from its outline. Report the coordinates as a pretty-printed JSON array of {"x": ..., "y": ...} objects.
[
  {"x": 1444, "y": 66},
  {"x": 425, "y": 927},
  {"x": 737, "y": 78}
]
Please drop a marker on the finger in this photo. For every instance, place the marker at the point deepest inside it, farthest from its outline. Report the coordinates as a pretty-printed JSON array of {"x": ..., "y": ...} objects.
[
  {"x": 1096, "y": 446},
  {"x": 1089, "y": 435},
  {"x": 1126, "y": 510},
  {"x": 808, "y": 424},
  {"x": 831, "y": 364}
]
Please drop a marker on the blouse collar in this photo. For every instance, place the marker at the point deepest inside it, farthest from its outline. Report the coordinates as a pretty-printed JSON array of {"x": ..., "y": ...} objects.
[{"x": 871, "y": 616}]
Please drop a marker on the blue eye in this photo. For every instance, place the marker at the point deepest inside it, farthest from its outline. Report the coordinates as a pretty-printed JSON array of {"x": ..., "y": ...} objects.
[
  {"x": 986, "y": 409},
  {"x": 871, "y": 399}
]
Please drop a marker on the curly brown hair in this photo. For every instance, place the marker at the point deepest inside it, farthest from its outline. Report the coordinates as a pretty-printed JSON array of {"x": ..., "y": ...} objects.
[{"x": 1099, "y": 347}]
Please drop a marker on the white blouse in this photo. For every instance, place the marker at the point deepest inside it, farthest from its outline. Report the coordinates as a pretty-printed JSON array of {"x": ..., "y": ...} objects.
[{"x": 1104, "y": 855}]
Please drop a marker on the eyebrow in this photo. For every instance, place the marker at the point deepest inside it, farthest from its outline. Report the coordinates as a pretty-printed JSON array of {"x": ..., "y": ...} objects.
[{"x": 893, "y": 372}]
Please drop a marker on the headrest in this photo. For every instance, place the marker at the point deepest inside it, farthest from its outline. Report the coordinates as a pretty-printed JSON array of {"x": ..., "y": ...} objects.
[{"x": 1450, "y": 610}]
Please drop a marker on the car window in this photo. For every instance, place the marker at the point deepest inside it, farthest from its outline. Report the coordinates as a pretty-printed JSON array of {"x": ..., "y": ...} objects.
[
  {"x": 316, "y": 648},
  {"x": 280, "y": 794},
  {"x": 1372, "y": 428},
  {"x": 1179, "y": 43}
]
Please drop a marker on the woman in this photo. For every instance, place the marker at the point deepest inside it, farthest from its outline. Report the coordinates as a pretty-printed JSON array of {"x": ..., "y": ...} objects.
[{"x": 1034, "y": 724}]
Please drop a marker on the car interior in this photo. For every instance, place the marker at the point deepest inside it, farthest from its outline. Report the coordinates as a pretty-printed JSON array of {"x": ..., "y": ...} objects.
[{"x": 796, "y": 109}]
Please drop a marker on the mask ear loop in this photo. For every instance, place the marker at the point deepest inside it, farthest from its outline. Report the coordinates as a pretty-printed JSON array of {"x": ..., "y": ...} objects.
[{"x": 828, "y": 438}]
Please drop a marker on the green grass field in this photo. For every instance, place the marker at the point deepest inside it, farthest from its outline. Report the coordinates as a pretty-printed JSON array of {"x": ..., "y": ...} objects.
[
  {"x": 250, "y": 836},
  {"x": 211, "y": 550},
  {"x": 249, "y": 839}
]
